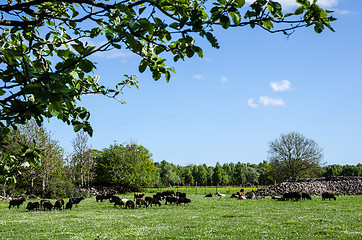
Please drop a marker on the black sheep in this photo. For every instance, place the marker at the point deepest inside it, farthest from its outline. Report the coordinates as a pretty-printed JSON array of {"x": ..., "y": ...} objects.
[
  {"x": 170, "y": 200},
  {"x": 76, "y": 200},
  {"x": 47, "y": 205},
  {"x": 183, "y": 200},
  {"x": 32, "y": 206},
  {"x": 69, "y": 205},
  {"x": 306, "y": 196},
  {"x": 16, "y": 202},
  {"x": 328, "y": 195},
  {"x": 151, "y": 201},
  {"x": 129, "y": 204}
]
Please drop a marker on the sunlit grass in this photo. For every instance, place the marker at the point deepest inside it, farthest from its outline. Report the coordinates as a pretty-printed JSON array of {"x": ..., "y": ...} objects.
[{"x": 203, "y": 218}]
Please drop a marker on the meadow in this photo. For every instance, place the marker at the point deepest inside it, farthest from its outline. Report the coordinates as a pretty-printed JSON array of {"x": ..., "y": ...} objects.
[{"x": 203, "y": 218}]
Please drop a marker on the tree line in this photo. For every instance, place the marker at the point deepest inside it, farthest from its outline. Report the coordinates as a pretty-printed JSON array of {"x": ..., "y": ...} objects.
[{"x": 129, "y": 166}]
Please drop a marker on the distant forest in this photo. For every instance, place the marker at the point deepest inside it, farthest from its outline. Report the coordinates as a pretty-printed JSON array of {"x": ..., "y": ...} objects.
[{"x": 128, "y": 166}]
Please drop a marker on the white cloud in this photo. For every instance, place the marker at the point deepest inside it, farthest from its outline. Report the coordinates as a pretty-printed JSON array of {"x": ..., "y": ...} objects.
[
  {"x": 198, "y": 76},
  {"x": 268, "y": 101},
  {"x": 224, "y": 79},
  {"x": 281, "y": 86},
  {"x": 252, "y": 104},
  {"x": 293, "y": 3}
]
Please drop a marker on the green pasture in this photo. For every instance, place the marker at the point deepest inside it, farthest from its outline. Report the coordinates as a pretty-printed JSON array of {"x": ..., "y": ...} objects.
[{"x": 203, "y": 218}]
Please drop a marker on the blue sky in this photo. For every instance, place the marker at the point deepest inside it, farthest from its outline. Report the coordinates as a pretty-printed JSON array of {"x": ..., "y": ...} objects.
[{"x": 227, "y": 106}]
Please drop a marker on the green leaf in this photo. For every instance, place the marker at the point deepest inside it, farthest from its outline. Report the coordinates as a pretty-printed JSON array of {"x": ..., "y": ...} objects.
[
  {"x": 225, "y": 21},
  {"x": 146, "y": 25},
  {"x": 53, "y": 111},
  {"x": 299, "y": 10},
  {"x": 77, "y": 127},
  {"x": 143, "y": 65},
  {"x": 268, "y": 24},
  {"x": 78, "y": 47},
  {"x": 86, "y": 65},
  {"x": 235, "y": 16}
]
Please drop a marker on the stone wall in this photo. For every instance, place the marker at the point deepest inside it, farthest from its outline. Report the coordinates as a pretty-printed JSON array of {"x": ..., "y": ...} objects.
[{"x": 340, "y": 185}]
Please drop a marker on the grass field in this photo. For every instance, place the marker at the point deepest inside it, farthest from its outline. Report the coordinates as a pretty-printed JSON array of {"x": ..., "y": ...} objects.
[{"x": 204, "y": 218}]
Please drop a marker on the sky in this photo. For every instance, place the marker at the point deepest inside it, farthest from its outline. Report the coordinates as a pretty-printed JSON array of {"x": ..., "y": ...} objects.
[{"x": 227, "y": 106}]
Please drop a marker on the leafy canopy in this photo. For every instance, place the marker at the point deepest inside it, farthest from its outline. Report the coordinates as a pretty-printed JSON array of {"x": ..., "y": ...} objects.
[{"x": 45, "y": 48}]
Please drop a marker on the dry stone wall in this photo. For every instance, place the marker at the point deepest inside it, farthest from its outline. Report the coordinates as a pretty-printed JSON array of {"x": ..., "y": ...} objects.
[{"x": 340, "y": 185}]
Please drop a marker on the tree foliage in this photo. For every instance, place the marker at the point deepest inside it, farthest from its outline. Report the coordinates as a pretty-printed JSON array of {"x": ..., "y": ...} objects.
[
  {"x": 44, "y": 52},
  {"x": 293, "y": 156},
  {"x": 167, "y": 174},
  {"x": 125, "y": 165},
  {"x": 45, "y": 47}
]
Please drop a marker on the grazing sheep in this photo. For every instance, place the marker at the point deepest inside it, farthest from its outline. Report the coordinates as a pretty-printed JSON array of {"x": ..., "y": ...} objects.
[
  {"x": 101, "y": 197},
  {"x": 159, "y": 196},
  {"x": 16, "y": 202},
  {"x": 129, "y": 204},
  {"x": 114, "y": 199},
  {"x": 120, "y": 202},
  {"x": 180, "y": 194},
  {"x": 139, "y": 195},
  {"x": 59, "y": 204},
  {"x": 47, "y": 205},
  {"x": 306, "y": 196},
  {"x": 33, "y": 205},
  {"x": 183, "y": 200},
  {"x": 69, "y": 205},
  {"x": 141, "y": 202},
  {"x": 291, "y": 195},
  {"x": 155, "y": 201},
  {"x": 208, "y": 195},
  {"x": 168, "y": 193},
  {"x": 170, "y": 200},
  {"x": 76, "y": 200},
  {"x": 328, "y": 195}
]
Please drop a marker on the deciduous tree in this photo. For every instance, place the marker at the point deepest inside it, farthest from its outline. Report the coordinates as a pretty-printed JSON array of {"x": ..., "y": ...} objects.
[
  {"x": 293, "y": 156},
  {"x": 125, "y": 165}
]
